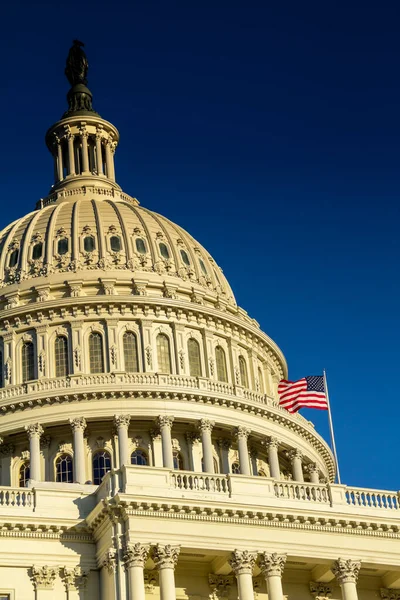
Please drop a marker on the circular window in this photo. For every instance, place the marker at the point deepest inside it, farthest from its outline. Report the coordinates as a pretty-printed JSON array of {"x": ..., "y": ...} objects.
[
  {"x": 164, "y": 251},
  {"x": 62, "y": 246},
  {"x": 185, "y": 258},
  {"x": 115, "y": 243},
  {"x": 88, "y": 243},
  {"x": 140, "y": 246}
]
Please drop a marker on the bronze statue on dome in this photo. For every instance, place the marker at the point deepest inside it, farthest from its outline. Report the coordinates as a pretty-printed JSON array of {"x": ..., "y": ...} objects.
[{"x": 77, "y": 64}]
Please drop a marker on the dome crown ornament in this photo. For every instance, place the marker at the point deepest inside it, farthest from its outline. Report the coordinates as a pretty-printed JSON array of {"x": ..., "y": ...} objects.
[{"x": 79, "y": 96}]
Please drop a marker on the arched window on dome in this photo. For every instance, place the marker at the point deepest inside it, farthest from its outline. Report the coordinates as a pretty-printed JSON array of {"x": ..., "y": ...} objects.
[
  {"x": 185, "y": 258},
  {"x": 140, "y": 246},
  {"x": 220, "y": 360},
  {"x": 101, "y": 465},
  {"x": 28, "y": 361},
  {"x": 203, "y": 267},
  {"x": 64, "y": 469},
  {"x": 61, "y": 356},
  {"x": 178, "y": 460},
  {"x": 96, "y": 353},
  {"x": 235, "y": 468},
  {"x": 13, "y": 260},
  {"x": 24, "y": 474},
  {"x": 193, "y": 347},
  {"x": 115, "y": 243},
  {"x": 37, "y": 251},
  {"x": 164, "y": 250},
  {"x": 163, "y": 353},
  {"x": 261, "y": 381},
  {"x": 244, "y": 380},
  {"x": 62, "y": 246},
  {"x": 89, "y": 243},
  {"x": 139, "y": 458},
  {"x": 130, "y": 352}
]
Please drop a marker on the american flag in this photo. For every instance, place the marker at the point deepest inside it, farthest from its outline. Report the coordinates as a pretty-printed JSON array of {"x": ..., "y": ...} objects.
[{"x": 308, "y": 392}]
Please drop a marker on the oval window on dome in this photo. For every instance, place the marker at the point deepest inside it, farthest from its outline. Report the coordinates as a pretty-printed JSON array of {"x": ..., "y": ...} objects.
[
  {"x": 88, "y": 243},
  {"x": 203, "y": 267},
  {"x": 13, "y": 258},
  {"x": 115, "y": 243},
  {"x": 62, "y": 246},
  {"x": 185, "y": 258},
  {"x": 164, "y": 251},
  {"x": 37, "y": 251},
  {"x": 140, "y": 246}
]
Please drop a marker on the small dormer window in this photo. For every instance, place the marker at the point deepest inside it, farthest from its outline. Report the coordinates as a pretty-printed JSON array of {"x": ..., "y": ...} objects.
[
  {"x": 88, "y": 243},
  {"x": 185, "y": 258},
  {"x": 115, "y": 243},
  {"x": 164, "y": 251},
  {"x": 62, "y": 246},
  {"x": 203, "y": 267},
  {"x": 13, "y": 258},
  {"x": 140, "y": 246},
  {"x": 37, "y": 251}
]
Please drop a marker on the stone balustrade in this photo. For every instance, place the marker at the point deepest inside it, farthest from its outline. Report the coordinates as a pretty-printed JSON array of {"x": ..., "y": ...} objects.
[
  {"x": 306, "y": 492},
  {"x": 373, "y": 498}
]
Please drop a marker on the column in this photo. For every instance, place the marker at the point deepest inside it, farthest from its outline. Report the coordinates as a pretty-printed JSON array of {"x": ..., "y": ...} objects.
[
  {"x": 346, "y": 572},
  {"x": 295, "y": 457},
  {"x": 60, "y": 166},
  {"x": 135, "y": 556},
  {"x": 206, "y": 427},
  {"x": 34, "y": 431},
  {"x": 85, "y": 154},
  {"x": 109, "y": 158},
  {"x": 99, "y": 153},
  {"x": 165, "y": 559},
  {"x": 107, "y": 573},
  {"x": 165, "y": 424},
  {"x": 253, "y": 461},
  {"x": 225, "y": 445},
  {"x": 192, "y": 440},
  {"x": 272, "y": 445},
  {"x": 122, "y": 423},
  {"x": 272, "y": 566},
  {"x": 71, "y": 157},
  {"x": 242, "y": 563},
  {"x": 313, "y": 470},
  {"x": 78, "y": 426},
  {"x": 242, "y": 434},
  {"x": 74, "y": 580},
  {"x": 43, "y": 579}
]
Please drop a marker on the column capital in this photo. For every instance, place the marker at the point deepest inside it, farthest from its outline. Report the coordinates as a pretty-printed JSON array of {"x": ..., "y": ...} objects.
[
  {"x": 165, "y": 557},
  {"x": 73, "y": 578},
  {"x": 192, "y": 437},
  {"x": 388, "y": 594},
  {"x": 206, "y": 425},
  {"x": 43, "y": 577},
  {"x": 320, "y": 591},
  {"x": 109, "y": 560},
  {"x": 224, "y": 443},
  {"x": 34, "y": 430},
  {"x": 122, "y": 421},
  {"x": 294, "y": 454},
  {"x": 311, "y": 468},
  {"x": 220, "y": 585},
  {"x": 165, "y": 421},
  {"x": 270, "y": 442},
  {"x": 243, "y": 561},
  {"x": 135, "y": 555},
  {"x": 346, "y": 570},
  {"x": 78, "y": 424},
  {"x": 272, "y": 564},
  {"x": 242, "y": 432}
]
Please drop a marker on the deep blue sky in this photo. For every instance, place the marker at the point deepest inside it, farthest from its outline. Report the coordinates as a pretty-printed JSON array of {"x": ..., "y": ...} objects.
[{"x": 271, "y": 131}]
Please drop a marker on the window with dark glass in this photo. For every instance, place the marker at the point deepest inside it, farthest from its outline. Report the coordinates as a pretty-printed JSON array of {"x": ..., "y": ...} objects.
[
  {"x": 24, "y": 475},
  {"x": 130, "y": 352},
  {"x": 244, "y": 380},
  {"x": 61, "y": 356},
  {"x": 28, "y": 361},
  {"x": 96, "y": 353},
  {"x": 194, "y": 357},
  {"x": 88, "y": 243},
  {"x": 220, "y": 360},
  {"x": 13, "y": 258},
  {"x": 203, "y": 267},
  {"x": 62, "y": 246},
  {"x": 139, "y": 457},
  {"x": 115, "y": 243},
  {"x": 261, "y": 380},
  {"x": 164, "y": 251},
  {"x": 178, "y": 460},
  {"x": 101, "y": 465},
  {"x": 64, "y": 472},
  {"x": 185, "y": 258},
  {"x": 140, "y": 246},
  {"x": 163, "y": 353},
  {"x": 37, "y": 251}
]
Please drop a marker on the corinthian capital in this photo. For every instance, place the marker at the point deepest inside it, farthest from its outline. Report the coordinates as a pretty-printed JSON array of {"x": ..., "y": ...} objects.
[
  {"x": 34, "y": 430},
  {"x": 165, "y": 557},
  {"x": 78, "y": 424},
  {"x": 109, "y": 560},
  {"x": 320, "y": 591},
  {"x": 206, "y": 425},
  {"x": 43, "y": 577},
  {"x": 243, "y": 561},
  {"x": 270, "y": 442},
  {"x": 165, "y": 421},
  {"x": 74, "y": 578},
  {"x": 135, "y": 555},
  {"x": 295, "y": 454},
  {"x": 387, "y": 594},
  {"x": 242, "y": 432},
  {"x": 122, "y": 421},
  {"x": 311, "y": 468},
  {"x": 346, "y": 570},
  {"x": 272, "y": 564}
]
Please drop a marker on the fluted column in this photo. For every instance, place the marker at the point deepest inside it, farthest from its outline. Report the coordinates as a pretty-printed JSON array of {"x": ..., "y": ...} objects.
[
  {"x": 34, "y": 431},
  {"x": 346, "y": 572},
  {"x": 313, "y": 470},
  {"x": 242, "y": 563},
  {"x": 71, "y": 157},
  {"x": 109, "y": 159},
  {"x": 99, "y": 152},
  {"x": 122, "y": 423},
  {"x": 78, "y": 427},
  {"x": 165, "y": 424},
  {"x": 165, "y": 559},
  {"x": 272, "y": 445},
  {"x": 272, "y": 566},
  {"x": 107, "y": 575},
  {"x": 242, "y": 434},
  {"x": 85, "y": 153},
  {"x": 225, "y": 445},
  {"x": 60, "y": 166},
  {"x": 206, "y": 427},
  {"x": 295, "y": 457},
  {"x": 135, "y": 556}
]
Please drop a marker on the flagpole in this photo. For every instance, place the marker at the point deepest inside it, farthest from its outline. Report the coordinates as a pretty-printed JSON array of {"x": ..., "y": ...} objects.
[{"x": 331, "y": 428}]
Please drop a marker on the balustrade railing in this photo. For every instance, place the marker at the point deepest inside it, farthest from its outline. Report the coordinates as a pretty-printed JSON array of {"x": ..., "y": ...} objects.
[
  {"x": 195, "y": 482},
  {"x": 20, "y": 497},
  {"x": 307, "y": 492},
  {"x": 372, "y": 498}
]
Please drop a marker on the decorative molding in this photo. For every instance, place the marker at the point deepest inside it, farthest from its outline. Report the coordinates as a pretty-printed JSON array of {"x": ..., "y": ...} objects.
[
  {"x": 165, "y": 421},
  {"x": 150, "y": 580},
  {"x": 346, "y": 570},
  {"x": 295, "y": 454},
  {"x": 165, "y": 557},
  {"x": 135, "y": 555},
  {"x": 109, "y": 561},
  {"x": 78, "y": 424},
  {"x": 43, "y": 577},
  {"x": 74, "y": 579},
  {"x": 34, "y": 430},
  {"x": 388, "y": 594},
  {"x": 122, "y": 421},
  {"x": 220, "y": 585},
  {"x": 242, "y": 432},
  {"x": 242, "y": 561},
  {"x": 320, "y": 591},
  {"x": 206, "y": 425},
  {"x": 272, "y": 564}
]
